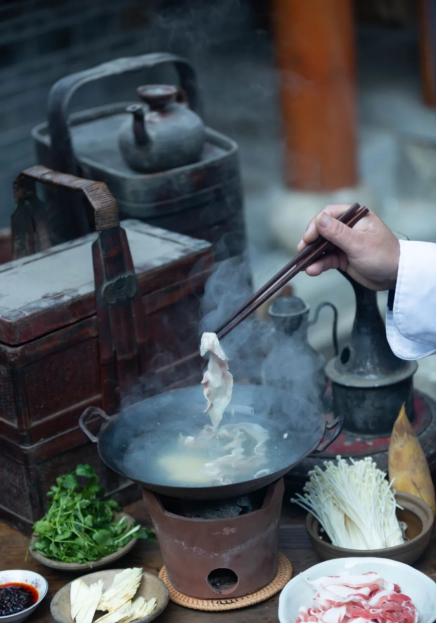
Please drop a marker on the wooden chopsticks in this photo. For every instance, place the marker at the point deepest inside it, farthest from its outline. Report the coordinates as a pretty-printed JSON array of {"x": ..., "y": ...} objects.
[{"x": 311, "y": 253}]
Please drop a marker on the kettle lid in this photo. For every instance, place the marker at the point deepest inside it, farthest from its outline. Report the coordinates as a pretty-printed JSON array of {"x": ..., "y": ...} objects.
[{"x": 157, "y": 96}]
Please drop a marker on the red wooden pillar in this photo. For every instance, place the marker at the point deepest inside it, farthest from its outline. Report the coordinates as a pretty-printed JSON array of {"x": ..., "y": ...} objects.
[
  {"x": 427, "y": 49},
  {"x": 315, "y": 51}
]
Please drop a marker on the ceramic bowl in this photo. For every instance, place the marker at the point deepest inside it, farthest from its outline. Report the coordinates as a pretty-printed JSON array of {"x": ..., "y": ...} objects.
[
  {"x": 416, "y": 514},
  {"x": 89, "y": 565},
  {"x": 31, "y": 578},
  {"x": 151, "y": 587},
  {"x": 421, "y": 589}
]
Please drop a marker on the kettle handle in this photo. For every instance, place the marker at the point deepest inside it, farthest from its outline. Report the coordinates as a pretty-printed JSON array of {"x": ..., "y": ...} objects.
[
  {"x": 63, "y": 90},
  {"x": 328, "y": 304},
  {"x": 29, "y": 228}
]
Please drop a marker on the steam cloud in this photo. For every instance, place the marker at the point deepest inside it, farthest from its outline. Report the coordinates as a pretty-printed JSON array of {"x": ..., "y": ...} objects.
[
  {"x": 264, "y": 362},
  {"x": 258, "y": 352}
]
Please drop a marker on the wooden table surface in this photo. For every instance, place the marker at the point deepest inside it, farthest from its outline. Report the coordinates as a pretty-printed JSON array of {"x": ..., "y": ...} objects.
[{"x": 294, "y": 543}]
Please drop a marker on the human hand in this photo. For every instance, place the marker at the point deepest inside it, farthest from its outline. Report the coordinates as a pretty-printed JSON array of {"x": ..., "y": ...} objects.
[{"x": 368, "y": 252}]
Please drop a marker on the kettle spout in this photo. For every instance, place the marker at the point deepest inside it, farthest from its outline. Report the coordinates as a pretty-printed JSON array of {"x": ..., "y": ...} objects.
[{"x": 138, "y": 125}]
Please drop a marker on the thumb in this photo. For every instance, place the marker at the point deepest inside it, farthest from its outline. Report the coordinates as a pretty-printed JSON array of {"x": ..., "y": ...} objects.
[{"x": 336, "y": 232}]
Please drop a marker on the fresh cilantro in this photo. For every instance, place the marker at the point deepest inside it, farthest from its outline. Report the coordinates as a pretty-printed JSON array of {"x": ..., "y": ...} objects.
[{"x": 80, "y": 524}]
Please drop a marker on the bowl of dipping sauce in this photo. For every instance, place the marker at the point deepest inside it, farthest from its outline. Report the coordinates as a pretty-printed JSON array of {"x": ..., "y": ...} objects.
[{"x": 21, "y": 591}]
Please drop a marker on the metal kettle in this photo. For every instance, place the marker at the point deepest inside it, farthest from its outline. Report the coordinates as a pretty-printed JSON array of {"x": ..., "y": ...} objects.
[
  {"x": 163, "y": 133},
  {"x": 369, "y": 383},
  {"x": 292, "y": 363}
]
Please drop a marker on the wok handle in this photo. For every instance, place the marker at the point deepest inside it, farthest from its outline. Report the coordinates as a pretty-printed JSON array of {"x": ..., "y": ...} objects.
[
  {"x": 89, "y": 413},
  {"x": 332, "y": 431}
]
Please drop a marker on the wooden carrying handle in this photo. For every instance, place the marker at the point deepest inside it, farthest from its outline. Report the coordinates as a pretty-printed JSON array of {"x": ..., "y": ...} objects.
[
  {"x": 30, "y": 230},
  {"x": 120, "y": 316}
]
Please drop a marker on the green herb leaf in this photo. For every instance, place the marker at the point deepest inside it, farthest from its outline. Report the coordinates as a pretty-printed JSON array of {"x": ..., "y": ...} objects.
[
  {"x": 85, "y": 470},
  {"x": 80, "y": 524},
  {"x": 68, "y": 481},
  {"x": 102, "y": 536}
]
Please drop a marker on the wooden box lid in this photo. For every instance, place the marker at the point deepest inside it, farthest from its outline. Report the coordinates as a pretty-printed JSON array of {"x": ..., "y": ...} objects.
[{"x": 55, "y": 288}]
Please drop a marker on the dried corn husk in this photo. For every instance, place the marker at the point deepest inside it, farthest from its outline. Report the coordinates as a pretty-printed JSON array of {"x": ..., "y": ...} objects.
[{"x": 407, "y": 465}]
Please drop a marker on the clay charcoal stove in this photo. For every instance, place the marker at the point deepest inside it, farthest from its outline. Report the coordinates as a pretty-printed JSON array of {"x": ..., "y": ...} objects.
[
  {"x": 219, "y": 548},
  {"x": 214, "y": 510}
]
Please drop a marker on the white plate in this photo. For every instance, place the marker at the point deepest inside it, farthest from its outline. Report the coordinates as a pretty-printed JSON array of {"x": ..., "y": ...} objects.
[
  {"x": 31, "y": 578},
  {"x": 421, "y": 589}
]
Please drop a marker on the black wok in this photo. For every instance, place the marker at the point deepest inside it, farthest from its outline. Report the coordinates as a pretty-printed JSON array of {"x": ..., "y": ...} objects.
[{"x": 129, "y": 441}]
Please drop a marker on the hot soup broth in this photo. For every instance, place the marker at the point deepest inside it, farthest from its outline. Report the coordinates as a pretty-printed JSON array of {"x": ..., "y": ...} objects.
[{"x": 164, "y": 440}]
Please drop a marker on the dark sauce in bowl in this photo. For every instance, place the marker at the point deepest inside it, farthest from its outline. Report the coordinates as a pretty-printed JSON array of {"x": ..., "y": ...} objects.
[{"x": 15, "y": 597}]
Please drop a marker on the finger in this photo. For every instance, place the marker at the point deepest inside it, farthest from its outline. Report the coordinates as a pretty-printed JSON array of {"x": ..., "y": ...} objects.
[
  {"x": 336, "y": 210},
  {"x": 331, "y": 261},
  {"x": 342, "y": 236},
  {"x": 312, "y": 232},
  {"x": 309, "y": 235}
]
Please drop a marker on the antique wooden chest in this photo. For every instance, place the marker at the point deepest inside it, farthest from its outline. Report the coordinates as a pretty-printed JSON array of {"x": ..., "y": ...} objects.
[{"x": 50, "y": 352}]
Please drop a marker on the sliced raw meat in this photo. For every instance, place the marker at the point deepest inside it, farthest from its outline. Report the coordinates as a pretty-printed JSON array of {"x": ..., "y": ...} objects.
[
  {"x": 217, "y": 381},
  {"x": 358, "y": 598}
]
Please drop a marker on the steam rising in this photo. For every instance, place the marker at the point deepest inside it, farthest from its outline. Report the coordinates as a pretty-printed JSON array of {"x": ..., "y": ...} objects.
[
  {"x": 277, "y": 389},
  {"x": 259, "y": 352}
]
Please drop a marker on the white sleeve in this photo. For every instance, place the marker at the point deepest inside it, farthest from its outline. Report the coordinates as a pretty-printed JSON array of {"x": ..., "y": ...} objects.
[{"x": 411, "y": 324}]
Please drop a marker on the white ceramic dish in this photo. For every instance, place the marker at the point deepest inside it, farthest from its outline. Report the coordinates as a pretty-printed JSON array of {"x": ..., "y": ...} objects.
[
  {"x": 418, "y": 586},
  {"x": 31, "y": 578}
]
